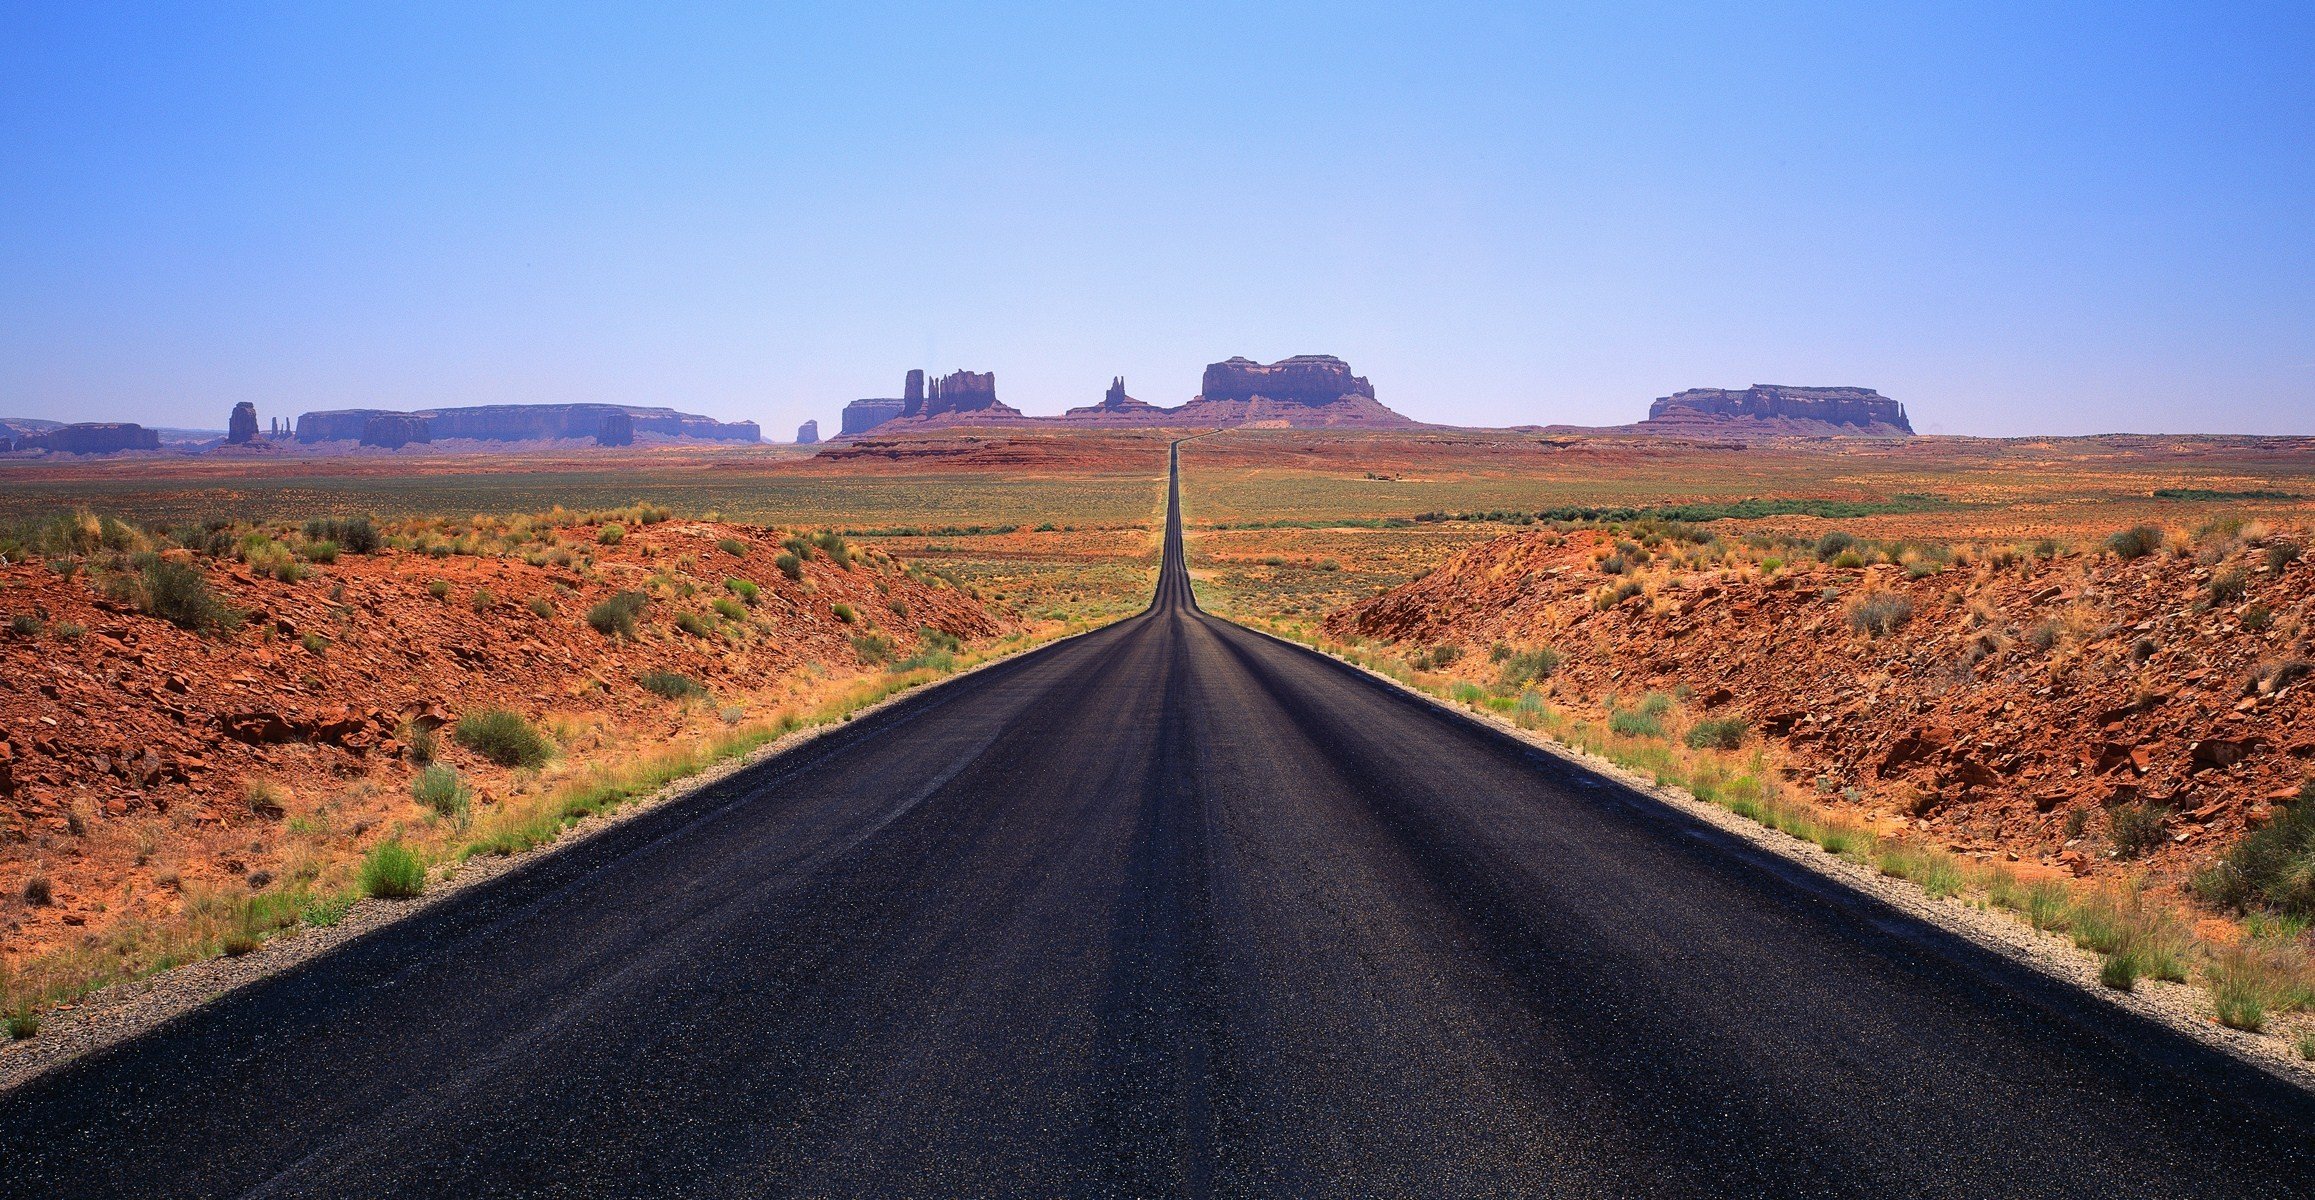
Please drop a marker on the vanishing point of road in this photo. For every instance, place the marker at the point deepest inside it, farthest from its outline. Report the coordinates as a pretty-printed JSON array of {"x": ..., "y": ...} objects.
[{"x": 1171, "y": 908}]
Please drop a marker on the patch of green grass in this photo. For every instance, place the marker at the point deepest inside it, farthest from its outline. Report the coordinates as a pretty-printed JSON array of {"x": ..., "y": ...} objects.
[
  {"x": 1627, "y": 722},
  {"x": 324, "y": 909},
  {"x": 502, "y": 736},
  {"x": 391, "y": 871},
  {"x": 438, "y": 788},
  {"x": 615, "y": 614},
  {"x": 1722, "y": 733}
]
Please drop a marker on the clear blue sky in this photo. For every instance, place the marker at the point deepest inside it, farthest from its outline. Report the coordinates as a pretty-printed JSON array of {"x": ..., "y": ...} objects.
[{"x": 2015, "y": 219}]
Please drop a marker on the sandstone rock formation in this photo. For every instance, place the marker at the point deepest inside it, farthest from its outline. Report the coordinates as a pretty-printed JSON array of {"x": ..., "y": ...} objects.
[
  {"x": 394, "y": 430},
  {"x": 517, "y": 423},
  {"x": 1116, "y": 404},
  {"x": 616, "y": 429},
  {"x": 860, "y": 416},
  {"x": 808, "y": 433},
  {"x": 241, "y": 428},
  {"x": 1309, "y": 379},
  {"x": 1780, "y": 409},
  {"x": 91, "y": 438},
  {"x": 1307, "y": 390}
]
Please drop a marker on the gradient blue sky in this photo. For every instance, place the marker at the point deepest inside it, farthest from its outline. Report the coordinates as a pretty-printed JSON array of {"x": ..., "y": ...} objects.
[{"x": 2014, "y": 218}]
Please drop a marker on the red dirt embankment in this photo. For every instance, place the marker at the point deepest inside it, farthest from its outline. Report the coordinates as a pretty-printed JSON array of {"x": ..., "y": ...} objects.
[
  {"x": 2018, "y": 707},
  {"x": 129, "y": 745}
]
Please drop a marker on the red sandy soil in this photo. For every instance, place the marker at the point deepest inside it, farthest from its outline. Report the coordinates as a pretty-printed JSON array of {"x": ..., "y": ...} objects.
[
  {"x": 125, "y": 753},
  {"x": 1958, "y": 722}
]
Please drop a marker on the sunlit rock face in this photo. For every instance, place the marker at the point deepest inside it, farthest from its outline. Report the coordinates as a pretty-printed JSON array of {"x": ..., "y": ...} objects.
[{"x": 1835, "y": 409}]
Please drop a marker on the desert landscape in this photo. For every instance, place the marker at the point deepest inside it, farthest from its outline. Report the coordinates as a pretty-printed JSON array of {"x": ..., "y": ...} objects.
[
  {"x": 1290, "y": 600},
  {"x": 2055, "y": 658}
]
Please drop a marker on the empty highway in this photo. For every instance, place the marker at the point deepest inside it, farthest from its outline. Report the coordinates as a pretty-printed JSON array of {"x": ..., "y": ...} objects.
[{"x": 1168, "y": 909}]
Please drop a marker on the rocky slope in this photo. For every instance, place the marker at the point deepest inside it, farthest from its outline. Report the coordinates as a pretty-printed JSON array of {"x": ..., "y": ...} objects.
[
  {"x": 2014, "y": 705},
  {"x": 142, "y": 763}
]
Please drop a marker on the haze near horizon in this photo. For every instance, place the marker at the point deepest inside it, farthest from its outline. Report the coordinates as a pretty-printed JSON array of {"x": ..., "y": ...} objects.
[{"x": 2012, "y": 222}]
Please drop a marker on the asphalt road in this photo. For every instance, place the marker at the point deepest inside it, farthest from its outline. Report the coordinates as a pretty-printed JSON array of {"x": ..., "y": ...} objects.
[{"x": 1171, "y": 908}]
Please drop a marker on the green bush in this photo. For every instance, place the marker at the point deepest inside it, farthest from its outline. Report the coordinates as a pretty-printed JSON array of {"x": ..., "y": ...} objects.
[
  {"x": 2272, "y": 867},
  {"x": 542, "y": 608},
  {"x": 2281, "y": 555},
  {"x": 502, "y": 736},
  {"x": 2229, "y": 586},
  {"x": 2138, "y": 541},
  {"x": 1524, "y": 667},
  {"x": 1633, "y": 723},
  {"x": 616, "y": 613},
  {"x": 324, "y": 551},
  {"x": 438, "y": 788},
  {"x": 2135, "y": 829},
  {"x": 843, "y": 612},
  {"x": 391, "y": 871},
  {"x": 746, "y": 590},
  {"x": 354, "y": 535},
  {"x": 1724, "y": 733},
  {"x": 1834, "y": 544},
  {"x": 790, "y": 565},
  {"x": 1436, "y": 658},
  {"x": 25, "y": 625},
  {"x": 180, "y": 594},
  {"x": 669, "y": 684},
  {"x": 698, "y": 625},
  {"x": 729, "y": 610},
  {"x": 482, "y": 600},
  {"x": 732, "y": 546},
  {"x": 611, "y": 535},
  {"x": 439, "y": 589},
  {"x": 832, "y": 544},
  {"x": 873, "y": 648}
]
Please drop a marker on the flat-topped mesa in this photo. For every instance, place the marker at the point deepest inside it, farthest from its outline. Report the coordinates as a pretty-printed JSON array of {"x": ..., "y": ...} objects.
[
  {"x": 860, "y": 416},
  {"x": 604, "y": 424},
  {"x": 1303, "y": 379},
  {"x": 94, "y": 437},
  {"x": 1781, "y": 408},
  {"x": 808, "y": 433}
]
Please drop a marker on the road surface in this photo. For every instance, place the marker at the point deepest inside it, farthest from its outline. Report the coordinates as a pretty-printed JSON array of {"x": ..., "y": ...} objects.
[{"x": 1171, "y": 908}]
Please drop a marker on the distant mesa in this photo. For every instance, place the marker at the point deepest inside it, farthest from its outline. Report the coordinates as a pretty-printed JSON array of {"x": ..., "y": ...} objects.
[
  {"x": 85, "y": 438},
  {"x": 808, "y": 433},
  {"x": 958, "y": 393},
  {"x": 603, "y": 424},
  {"x": 1778, "y": 409},
  {"x": 860, "y": 416},
  {"x": 1308, "y": 390},
  {"x": 1305, "y": 391},
  {"x": 959, "y": 397}
]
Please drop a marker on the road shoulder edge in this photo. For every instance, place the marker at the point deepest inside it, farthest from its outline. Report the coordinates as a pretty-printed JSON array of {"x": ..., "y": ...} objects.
[{"x": 2053, "y": 956}]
